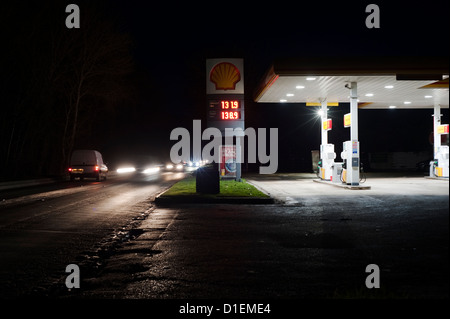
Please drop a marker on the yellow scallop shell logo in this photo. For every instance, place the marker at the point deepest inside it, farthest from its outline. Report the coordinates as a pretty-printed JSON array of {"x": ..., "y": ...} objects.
[{"x": 225, "y": 75}]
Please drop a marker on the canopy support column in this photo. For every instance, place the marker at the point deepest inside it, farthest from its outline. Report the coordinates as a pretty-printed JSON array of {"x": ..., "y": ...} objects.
[
  {"x": 354, "y": 164},
  {"x": 436, "y": 123}
]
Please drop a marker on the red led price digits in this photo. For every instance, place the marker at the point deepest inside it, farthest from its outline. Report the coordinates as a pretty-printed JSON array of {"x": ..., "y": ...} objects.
[
  {"x": 229, "y": 105},
  {"x": 231, "y": 115}
]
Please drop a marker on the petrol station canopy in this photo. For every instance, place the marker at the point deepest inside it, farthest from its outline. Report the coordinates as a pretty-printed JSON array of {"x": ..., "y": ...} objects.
[{"x": 383, "y": 82}]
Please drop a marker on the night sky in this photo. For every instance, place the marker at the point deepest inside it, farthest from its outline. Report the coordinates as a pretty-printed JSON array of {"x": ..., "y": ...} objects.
[{"x": 171, "y": 41}]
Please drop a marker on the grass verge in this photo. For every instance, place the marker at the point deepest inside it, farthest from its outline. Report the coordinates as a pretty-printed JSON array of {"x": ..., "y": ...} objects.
[{"x": 228, "y": 188}]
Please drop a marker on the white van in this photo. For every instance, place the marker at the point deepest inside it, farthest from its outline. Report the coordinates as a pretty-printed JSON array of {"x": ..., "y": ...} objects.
[{"x": 87, "y": 163}]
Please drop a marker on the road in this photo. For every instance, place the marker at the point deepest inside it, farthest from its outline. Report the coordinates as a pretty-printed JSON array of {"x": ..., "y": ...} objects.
[
  {"x": 315, "y": 243},
  {"x": 44, "y": 229}
]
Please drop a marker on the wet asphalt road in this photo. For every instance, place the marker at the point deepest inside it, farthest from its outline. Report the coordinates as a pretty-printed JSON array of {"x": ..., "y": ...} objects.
[
  {"x": 314, "y": 243},
  {"x": 44, "y": 229}
]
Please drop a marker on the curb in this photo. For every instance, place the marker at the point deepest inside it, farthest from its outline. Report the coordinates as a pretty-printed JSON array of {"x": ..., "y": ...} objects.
[
  {"x": 359, "y": 187},
  {"x": 26, "y": 183},
  {"x": 162, "y": 200},
  {"x": 6, "y": 186},
  {"x": 438, "y": 178}
]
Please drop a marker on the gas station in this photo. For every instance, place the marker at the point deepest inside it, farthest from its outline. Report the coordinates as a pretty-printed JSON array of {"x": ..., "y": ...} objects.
[{"x": 364, "y": 83}]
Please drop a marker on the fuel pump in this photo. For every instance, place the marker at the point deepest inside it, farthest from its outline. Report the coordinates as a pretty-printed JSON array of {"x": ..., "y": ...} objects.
[
  {"x": 344, "y": 156},
  {"x": 440, "y": 165},
  {"x": 327, "y": 156},
  {"x": 350, "y": 166}
]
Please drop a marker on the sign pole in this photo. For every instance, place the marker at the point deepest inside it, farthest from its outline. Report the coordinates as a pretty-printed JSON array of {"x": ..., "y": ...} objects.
[
  {"x": 238, "y": 159},
  {"x": 436, "y": 123}
]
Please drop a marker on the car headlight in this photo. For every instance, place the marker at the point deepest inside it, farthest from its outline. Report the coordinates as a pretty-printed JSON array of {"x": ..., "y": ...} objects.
[
  {"x": 126, "y": 170},
  {"x": 179, "y": 166},
  {"x": 169, "y": 166}
]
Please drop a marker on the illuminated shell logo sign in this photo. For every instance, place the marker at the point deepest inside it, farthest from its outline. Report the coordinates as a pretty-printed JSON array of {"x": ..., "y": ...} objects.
[{"x": 225, "y": 75}]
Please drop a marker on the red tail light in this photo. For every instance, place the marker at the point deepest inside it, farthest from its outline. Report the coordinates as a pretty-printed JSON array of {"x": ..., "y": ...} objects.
[
  {"x": 96, "y": 168},
  {"x": 70, "y": 169}
]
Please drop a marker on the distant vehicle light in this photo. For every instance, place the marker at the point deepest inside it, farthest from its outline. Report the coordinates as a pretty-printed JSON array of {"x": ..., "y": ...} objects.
[
  {"x": 126, "y": 170},
  {"x": 96, "y": 168},
  {"x": 151, "y": 170},
  {"x": 70, "y": 169},
  {"x": 179, "y": 166},
  {"x": 169, "y": 166}
]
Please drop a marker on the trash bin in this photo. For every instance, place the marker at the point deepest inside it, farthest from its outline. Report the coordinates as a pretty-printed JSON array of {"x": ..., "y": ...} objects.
[{"x": 207, "y": 179}]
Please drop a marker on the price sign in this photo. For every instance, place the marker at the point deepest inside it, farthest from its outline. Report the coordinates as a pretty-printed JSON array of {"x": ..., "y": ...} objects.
[{"x": 225, "y": 110}]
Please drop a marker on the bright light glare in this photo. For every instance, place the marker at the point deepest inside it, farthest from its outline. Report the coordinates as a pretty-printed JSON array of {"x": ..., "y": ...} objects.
[
  {"x": 169, "y": 166},
  {"x": 320, "y": 112},
  {"x": 126, "y": 170},
  {"x": 179, "y": 166},
  {"x": 151, "y": 170}
]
